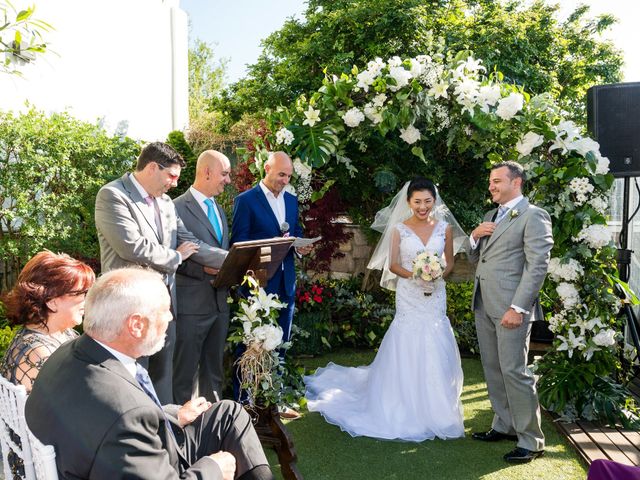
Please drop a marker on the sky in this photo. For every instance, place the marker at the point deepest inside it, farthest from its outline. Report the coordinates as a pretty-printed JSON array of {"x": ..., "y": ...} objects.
[{"x": 236, "y": 27}]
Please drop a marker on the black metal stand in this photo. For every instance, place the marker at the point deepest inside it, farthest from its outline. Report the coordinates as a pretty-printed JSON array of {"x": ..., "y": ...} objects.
[{"x": 624, "y": 268}]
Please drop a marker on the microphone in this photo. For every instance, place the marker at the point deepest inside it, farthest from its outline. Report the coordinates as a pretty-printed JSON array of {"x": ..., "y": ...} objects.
[{"x": 284, "y": 229}]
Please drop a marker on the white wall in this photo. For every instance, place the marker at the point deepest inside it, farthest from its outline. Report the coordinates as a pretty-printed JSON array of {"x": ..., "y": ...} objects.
[{"x": 124, "y": 60}]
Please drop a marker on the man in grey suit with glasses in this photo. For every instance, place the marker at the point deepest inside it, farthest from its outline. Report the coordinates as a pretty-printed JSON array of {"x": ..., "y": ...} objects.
[
  {"x": 137, "y": 224},
  {"x": 511, "y": 248}
]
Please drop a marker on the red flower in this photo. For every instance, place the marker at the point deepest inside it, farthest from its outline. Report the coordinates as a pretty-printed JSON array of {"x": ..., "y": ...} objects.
[{"x": 317, "y": 298}]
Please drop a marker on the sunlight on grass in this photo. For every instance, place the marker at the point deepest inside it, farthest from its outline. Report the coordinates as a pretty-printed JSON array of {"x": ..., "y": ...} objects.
[{"x": 327, "y": 453}]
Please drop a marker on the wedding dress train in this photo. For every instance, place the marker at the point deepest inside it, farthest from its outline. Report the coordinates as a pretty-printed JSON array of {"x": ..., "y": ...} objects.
[{"x": 412, "y": 389}]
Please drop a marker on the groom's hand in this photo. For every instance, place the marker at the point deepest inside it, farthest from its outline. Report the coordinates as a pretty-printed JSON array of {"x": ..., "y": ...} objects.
[
  {"x": 511, "y": 319},
  {"x": 483, "y": 230}
]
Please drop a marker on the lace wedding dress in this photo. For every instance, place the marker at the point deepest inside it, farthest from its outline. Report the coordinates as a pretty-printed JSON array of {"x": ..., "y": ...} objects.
[{"x": 412, "y": 389}]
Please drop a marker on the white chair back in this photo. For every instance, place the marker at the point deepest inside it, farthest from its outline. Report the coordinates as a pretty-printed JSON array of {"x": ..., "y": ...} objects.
[{"x": 39, "y": 460}]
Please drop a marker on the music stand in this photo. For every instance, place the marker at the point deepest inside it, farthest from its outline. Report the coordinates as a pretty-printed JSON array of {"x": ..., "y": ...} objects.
[{"x": 262, "y": 256}]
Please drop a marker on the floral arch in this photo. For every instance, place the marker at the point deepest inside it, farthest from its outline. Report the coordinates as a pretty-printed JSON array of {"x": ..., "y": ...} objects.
[{"x": 407, "y": 100}]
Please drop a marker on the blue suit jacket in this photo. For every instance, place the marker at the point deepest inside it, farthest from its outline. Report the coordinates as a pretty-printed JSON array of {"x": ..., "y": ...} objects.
[{"x": 253, "y": 219}]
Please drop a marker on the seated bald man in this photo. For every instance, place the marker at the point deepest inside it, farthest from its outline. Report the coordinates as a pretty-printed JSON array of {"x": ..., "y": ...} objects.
[{"x": 97, "y": 406}]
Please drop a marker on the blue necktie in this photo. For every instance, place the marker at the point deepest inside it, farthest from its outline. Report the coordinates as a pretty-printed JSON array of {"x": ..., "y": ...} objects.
[
  {"x": 142, "y": 377},
  {"x": 502, "y": 211},
  {"x": 213, "y": 218}
]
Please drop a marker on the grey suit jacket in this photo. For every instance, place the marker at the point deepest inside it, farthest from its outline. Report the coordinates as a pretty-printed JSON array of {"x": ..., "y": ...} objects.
[
  {"x": 127, "y": 234},
  {"x": 513, "y": 261},
  {"x": 101, "y": 423},
  {"x": 194, "y": 285}
]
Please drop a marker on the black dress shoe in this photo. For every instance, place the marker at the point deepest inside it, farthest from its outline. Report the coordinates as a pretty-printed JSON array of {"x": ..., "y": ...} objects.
[
  {"x": 522, "y": 455},
  {"x": 493, "y": 436}
]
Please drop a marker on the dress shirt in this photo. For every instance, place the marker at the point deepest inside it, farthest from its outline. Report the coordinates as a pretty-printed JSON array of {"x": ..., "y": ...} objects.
[
  {"x": 276, "y": 203},
  {"x": 128, "y": 362},
  {"x": 200, "y": 198},
  {"x": 152, "y": 212}
]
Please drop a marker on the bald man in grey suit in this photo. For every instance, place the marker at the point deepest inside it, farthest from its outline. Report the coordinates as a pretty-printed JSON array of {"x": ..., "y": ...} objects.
[
  {"x": 203, "y": 312},
  {"x": 511, "y": 247},
  {"x": 137, "y": 224}
]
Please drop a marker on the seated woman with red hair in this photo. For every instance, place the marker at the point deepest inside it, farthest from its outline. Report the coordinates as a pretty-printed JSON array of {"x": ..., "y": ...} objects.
[{"x": 48, "y": 301}]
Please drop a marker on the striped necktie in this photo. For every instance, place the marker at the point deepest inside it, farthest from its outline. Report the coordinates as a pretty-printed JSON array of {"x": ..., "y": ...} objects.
[{"x": 502, "y": 211}]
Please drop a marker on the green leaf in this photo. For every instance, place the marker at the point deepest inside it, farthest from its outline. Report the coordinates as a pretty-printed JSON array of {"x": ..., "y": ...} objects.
[{"x": 417, "y": 151}]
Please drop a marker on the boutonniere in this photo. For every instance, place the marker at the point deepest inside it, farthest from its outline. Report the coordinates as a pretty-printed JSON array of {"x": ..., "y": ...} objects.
[{"x": 513, "y": 214}]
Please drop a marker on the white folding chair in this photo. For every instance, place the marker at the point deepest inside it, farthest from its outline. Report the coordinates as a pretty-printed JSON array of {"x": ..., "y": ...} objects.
[{"x": 39, "y": 460}]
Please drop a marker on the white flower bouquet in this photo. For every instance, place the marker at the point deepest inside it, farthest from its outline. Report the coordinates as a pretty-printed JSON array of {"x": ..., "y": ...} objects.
[
  {"x": 428, "y": 267},
  {"x": 260, "y": 365}
]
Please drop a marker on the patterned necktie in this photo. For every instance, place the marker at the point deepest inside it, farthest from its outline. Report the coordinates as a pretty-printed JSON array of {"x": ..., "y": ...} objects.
[
  {"x": 142, "y": 377},
  {"x": 502, "y": 211},
  {"x": 151, "y": 201},
  {"x": 213, "y": 218}
]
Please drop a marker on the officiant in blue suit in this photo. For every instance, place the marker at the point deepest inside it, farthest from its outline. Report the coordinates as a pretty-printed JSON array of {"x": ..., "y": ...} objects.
[{"x": 267, "y": 211}]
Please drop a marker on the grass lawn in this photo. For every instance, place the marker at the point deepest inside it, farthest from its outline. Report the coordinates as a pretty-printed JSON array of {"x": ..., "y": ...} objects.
[{"x": 327, "y": 453}]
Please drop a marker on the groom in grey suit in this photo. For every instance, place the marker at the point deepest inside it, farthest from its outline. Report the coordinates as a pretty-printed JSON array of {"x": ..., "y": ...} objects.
[
  {"x": 137, "y": 224},
  {"x": 203, "y": 312},
  {"x": 511, "y": 248}
]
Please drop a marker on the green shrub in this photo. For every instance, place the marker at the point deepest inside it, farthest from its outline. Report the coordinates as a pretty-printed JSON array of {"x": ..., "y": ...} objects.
[
  {"x": 337, "y": 313},
  {"x": 461, "y": 316}
]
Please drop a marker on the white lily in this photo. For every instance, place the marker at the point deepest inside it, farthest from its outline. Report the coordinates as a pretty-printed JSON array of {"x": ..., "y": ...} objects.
[{"x": 313, "y": 116}]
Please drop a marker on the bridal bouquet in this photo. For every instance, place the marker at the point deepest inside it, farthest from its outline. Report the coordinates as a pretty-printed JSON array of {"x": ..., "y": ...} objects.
[{"x": 428, "y": 266}]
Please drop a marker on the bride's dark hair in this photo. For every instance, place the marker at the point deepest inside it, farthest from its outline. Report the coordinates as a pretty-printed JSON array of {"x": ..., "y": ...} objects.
[{"x": 420, "y": 184}]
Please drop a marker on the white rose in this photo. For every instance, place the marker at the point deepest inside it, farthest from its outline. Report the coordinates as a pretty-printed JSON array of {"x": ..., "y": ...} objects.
[
  {"x": 527, "y": 143},
  {"x": 410, "y": 134},
  {"x": 605, "y": 338},
  {"x": 372, "y": 113},
  {"x": 488, "y": 95},
  {"x": 353, "y": 117},
  {"x": 269, "y": 335},
  {"x": 365, "y": 79},
  {"x": 509, "y": 106},
  {"x": 378, "y": 100},
  {"x": 568, "y": 294},
  {"x": 401, "y": 76}
]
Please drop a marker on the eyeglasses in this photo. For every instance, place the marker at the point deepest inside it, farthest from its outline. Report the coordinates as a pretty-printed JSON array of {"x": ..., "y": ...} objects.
[
  {"x": 77, "y": 293},
  {"x": 173, "y": 174}
]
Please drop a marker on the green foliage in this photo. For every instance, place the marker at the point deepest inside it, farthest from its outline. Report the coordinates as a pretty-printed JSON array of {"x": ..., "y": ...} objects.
[
  {"x": 525, "y": 39},
  {"x": 21, "y": 37},
  {"x": 188, "y": 174},
  {"x": 461, "y": 316},
  {"x": 333, "y": 313},
  {"x": 51, "y": 169}
]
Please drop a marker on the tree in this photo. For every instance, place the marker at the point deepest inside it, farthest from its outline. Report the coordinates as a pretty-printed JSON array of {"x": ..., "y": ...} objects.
[
  {"x": 21, "y": 36},
  {"x": 206, "y": 80},
  {"x": 529, "y": 44},
  {"x": 51, "y": 169}
]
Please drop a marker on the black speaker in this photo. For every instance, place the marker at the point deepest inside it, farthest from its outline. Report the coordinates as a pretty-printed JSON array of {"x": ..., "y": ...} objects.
[{"x": 613, "y": 117}]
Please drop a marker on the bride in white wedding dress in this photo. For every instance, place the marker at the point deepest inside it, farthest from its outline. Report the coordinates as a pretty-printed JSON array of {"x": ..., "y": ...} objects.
[{"x": 412, "y": 389}]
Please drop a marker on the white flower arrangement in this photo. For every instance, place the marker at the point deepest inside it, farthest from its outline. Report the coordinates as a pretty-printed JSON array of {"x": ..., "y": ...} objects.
[{"x": 262, "y": 336}]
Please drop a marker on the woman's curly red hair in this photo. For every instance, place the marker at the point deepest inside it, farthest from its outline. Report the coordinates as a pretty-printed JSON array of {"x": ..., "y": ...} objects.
[{"x": 46, "y": 276}]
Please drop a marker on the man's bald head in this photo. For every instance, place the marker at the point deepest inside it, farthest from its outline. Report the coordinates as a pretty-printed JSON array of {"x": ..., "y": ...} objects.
[
  {"x": 213, "y": 171},
  {"x": 278, "y": 170}
]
